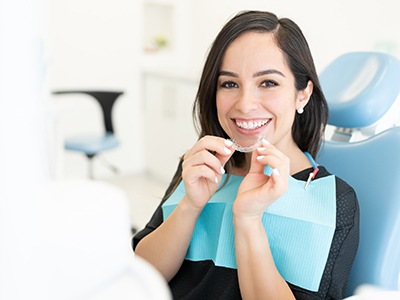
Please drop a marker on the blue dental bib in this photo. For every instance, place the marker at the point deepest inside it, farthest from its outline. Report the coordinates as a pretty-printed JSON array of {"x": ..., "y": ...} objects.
[{"x": 299, "y": 225}]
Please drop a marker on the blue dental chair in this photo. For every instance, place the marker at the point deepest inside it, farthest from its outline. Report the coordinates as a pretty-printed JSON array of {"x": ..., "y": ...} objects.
[{"x": 361, "y": 89}]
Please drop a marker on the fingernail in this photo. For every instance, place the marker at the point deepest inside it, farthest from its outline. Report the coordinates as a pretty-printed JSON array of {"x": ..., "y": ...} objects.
[
  {"x": 261, "y": 148},
  {"x": 265, "y": 142},
  {"x": 227, "y": 151},
  {"x": 276, "y": 172},
  {"x": 222, "y": 170},
  {"x": 260, "y": 157},
  {"x": 228, "y": 143},
  {"x": 216, "y": 179}
]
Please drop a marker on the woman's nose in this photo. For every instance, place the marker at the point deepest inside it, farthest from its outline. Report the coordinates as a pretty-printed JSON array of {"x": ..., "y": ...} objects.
[{"x": 247, "y": 101}]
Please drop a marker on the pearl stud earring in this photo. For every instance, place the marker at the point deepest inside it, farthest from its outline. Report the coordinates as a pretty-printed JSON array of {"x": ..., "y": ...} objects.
[{"x": 300, "y": 110}]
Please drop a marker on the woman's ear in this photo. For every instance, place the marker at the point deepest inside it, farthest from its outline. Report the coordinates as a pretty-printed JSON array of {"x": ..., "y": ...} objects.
[{"x": 303, "y": 96}]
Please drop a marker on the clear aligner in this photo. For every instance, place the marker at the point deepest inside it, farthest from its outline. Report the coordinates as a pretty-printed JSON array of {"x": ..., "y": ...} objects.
[{"x": 248, "y": 149}]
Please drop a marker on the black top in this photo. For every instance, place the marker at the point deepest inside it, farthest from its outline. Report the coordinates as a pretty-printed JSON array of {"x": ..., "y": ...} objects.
[{"x": 204, "y": 280}]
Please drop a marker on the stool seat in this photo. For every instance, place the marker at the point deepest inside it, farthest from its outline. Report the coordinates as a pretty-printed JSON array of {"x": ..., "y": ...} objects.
[{"x": 91, "y": 145}]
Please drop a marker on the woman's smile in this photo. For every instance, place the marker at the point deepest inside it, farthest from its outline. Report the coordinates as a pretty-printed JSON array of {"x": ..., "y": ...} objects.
[
  {"x": 251, "y": 125},
  {"x": 247, "y": 131}
]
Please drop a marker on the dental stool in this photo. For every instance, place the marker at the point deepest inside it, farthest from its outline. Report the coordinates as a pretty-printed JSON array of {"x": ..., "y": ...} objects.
[
  {"x": 362, "y": 91},
  {"x": 90, "y": 145}
]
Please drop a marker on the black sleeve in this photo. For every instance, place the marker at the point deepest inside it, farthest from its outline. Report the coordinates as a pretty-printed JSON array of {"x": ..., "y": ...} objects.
[
  {"x": 157, "y": 217},
  {"x": 343, "y": 249}
]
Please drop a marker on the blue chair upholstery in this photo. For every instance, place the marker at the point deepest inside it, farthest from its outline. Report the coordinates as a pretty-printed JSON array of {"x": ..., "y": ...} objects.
[
  {"x": 371, "y": 165},
  {"x": 360, "y": 87},
  {"x": 94, "y": 145}
]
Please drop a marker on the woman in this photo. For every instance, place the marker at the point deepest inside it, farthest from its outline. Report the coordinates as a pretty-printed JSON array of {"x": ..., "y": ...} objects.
[{"x": 267, "y": 223}]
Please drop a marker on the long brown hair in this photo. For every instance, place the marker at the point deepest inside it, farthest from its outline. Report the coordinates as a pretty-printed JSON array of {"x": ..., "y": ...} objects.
[{"x": 308, "y": 128}]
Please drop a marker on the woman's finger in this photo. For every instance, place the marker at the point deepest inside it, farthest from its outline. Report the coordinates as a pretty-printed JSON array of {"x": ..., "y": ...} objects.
[
  {"x": 214, "y": 144},
  {"x": 270, "y": 156},
  {"x": 218, "y": 148},
  {"x": 194, "y": 174},
  {"x": 206, "y": 158}
]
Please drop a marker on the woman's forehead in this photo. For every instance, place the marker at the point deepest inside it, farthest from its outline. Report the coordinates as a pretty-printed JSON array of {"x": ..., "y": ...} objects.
[{"x": 254, "y": 52}]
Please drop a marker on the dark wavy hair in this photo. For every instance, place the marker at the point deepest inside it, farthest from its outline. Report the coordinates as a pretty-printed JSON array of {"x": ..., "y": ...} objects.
[{"x": 308, "y": 127}]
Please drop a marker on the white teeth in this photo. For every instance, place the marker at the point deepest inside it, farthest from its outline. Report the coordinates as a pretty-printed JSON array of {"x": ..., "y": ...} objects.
[{"x": 251, "y": 125}]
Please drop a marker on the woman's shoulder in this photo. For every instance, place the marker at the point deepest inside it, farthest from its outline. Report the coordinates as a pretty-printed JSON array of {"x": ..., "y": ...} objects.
[
  {"x": 347, "y": 208},
  {"x": 345, "y": 193},
  {"x": 342, "y": 187}
]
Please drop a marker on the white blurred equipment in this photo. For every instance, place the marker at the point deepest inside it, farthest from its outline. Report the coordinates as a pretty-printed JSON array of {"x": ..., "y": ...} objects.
[{"x": 87, "y": 243}]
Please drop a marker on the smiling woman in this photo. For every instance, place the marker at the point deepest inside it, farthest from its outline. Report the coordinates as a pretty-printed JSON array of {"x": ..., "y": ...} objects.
[
  {"x": 228, "y": 229},
  {"x": 257, "y": 95}
]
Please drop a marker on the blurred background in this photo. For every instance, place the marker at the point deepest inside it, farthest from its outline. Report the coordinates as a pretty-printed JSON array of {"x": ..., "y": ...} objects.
[
  {"x": 150, "y": 50},
  {"x": 153, "y": 50}
]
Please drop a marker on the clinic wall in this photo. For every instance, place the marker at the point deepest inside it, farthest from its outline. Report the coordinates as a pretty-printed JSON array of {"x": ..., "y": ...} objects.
[
  {"x": 99, "y": 44},
  {"x": 331, "y": 27},
  {"x": 95, "y": 45}
]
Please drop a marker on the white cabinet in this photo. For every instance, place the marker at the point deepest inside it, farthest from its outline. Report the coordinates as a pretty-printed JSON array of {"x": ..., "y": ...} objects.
[{"x": 169, "y": 126}]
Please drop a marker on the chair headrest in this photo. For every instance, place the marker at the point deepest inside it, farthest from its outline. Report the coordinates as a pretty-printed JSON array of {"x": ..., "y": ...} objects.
[{"x": 360, "y": 88}]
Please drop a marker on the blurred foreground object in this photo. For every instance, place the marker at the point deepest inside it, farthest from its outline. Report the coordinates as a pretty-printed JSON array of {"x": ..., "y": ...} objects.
[{"x": 86, "y": 226}]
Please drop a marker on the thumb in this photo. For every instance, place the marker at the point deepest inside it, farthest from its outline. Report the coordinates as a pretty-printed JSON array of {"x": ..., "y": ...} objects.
[{"x": 257, "y": 166}]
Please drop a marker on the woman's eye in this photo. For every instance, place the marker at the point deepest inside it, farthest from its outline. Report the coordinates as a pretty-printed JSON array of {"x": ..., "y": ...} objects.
[
  {"x": 269, "y": 83},
  {"x": 228, "y": 84}
]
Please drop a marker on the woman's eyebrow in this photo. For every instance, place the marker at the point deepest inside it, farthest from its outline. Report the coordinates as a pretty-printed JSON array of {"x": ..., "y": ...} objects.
[
  {"x": 257, "y": 74},
  {"x": 267, "y": 72},
  {"x": 227, "y": 73}
]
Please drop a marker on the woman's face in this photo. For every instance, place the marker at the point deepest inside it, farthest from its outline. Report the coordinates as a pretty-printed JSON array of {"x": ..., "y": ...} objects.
[{"x": 256, "y": 92}]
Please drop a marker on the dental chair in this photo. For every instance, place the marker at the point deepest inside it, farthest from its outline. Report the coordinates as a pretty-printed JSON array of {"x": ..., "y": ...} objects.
[{"x": 362, "y": 91}]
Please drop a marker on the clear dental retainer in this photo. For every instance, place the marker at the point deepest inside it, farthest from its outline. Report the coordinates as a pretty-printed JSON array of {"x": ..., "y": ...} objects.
[{"x": 247, "y": 149}]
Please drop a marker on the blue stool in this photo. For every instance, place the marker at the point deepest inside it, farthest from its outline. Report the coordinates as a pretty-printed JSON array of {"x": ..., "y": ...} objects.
[{"x": 94, "y": 145}]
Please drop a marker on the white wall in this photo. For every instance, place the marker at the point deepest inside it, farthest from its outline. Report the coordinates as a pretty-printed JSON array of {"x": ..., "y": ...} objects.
[
  {"x": 98, "y": 44},
  {"x": 95, "y": 45},
  {"x": 331, "y": 27}
]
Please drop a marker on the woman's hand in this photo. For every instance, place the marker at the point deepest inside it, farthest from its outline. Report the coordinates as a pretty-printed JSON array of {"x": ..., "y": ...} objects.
[
  {"x": 257, "y": 190},
  {"x": 203, "y": 166}
]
